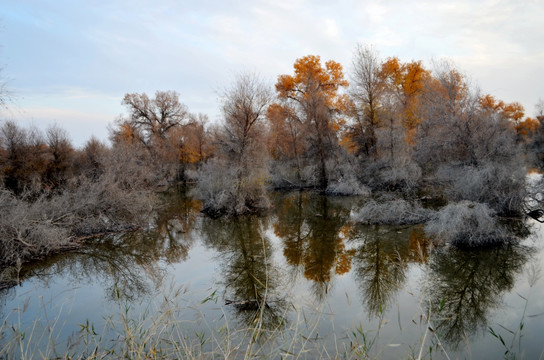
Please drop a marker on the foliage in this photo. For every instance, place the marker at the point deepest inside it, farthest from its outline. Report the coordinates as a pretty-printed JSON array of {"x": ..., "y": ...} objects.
[{"x": 312, "y": 98}]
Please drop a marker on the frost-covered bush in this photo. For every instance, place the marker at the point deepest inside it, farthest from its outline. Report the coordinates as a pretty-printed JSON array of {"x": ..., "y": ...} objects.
[
  {"x": 343, "y": 179},
  {"x": 347, "y": 185},
  {"x": 33, "y": 226},
  {"x": 226, "y": 190},
  {"x": 310, "y": 175},
  {"x": 191, "y": 175},
  {"x": 466, "y": 223},
  {"x": 394, "y": 212},
  {"x": 502, "y": 187},
  {"x": 284, "y": 175},
  {"x": 25, "y": 231},
  {"x": 535, "y": 191},
  {"x": 403, "y": 175}
]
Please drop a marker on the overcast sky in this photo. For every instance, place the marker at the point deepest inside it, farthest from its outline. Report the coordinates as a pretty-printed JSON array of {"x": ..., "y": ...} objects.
[{"x": 70, "y": 62}]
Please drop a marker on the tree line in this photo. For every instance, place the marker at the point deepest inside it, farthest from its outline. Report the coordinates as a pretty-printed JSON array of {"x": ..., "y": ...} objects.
[{"x": 388, "y": 127}]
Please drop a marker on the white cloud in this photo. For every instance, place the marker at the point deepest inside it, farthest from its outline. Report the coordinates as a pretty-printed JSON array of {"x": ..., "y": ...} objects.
[
  {"x": 331, "y": 28},
  {"x": 195, "y": 48}
]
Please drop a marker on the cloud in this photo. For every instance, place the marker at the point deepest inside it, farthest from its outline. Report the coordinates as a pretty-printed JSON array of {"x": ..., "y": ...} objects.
[
  {"x": 196, "y": 47},
  {"x": 331, "y": 29}
]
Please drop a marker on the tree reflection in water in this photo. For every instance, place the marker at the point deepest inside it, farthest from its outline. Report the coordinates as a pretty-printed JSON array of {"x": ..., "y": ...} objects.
[
  {"x": 465, "y": 285},
  {"x": 249, "y": 276},
  {"x": 382, "y": 259},
  {"x": 313, "y": 229},
  {"x": 319, "y": 242},
  {"x": 129, "y": 264}
]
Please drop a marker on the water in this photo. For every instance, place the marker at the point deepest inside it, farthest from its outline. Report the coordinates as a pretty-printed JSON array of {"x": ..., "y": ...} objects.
[{"x": 324, "y": 279}]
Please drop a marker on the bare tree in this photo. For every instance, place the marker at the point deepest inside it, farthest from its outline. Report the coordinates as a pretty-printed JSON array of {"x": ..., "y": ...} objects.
[
  {"x": 5, "y": 93},
  {"x": 61, "y": 155},
  {"x": 24, "y": 157},
  {"x": 242, "y": 151},
  {"x": 244, "y": 106},
  {"x": 155, "y": 117},
  {"x": 367, "y": 89},
  {"x": 539, "y": 108}
]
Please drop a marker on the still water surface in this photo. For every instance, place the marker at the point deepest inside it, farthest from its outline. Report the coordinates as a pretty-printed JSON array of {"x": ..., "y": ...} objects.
[{"x": 318, "y": 272}]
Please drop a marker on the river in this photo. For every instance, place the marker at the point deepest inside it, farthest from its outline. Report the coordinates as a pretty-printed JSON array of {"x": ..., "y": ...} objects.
[{"x": 330, "y": 288}]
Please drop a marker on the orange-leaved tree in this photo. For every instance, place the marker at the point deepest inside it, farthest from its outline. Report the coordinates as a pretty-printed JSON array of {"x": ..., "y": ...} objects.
[
  {"x": 406, "y": 84},
  {"x": 314, "y": 92},
  {"x": 286, "y": 136}
]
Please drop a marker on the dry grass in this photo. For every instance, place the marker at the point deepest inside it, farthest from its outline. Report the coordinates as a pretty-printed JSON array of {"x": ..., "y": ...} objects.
[{"x": 164, "y": 335}]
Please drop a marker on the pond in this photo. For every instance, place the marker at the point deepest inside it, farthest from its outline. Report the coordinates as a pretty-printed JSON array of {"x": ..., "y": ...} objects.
[{"x": 191, "y": 287}]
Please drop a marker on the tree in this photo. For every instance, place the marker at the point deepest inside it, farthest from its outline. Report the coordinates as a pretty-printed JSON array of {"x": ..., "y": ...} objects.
[
  {"x": 513, "y": 111},
  {"x": 527, "y": 128},
  {"x": 234, "y": 182},
  {"x": 155, "y": 117},
  {"x": 368, "y": 87},
  {"x": 159, "y": 125},
  {"x": 539, "y": 108},
  {"x": 61, "y": 153},
  {"x": 313, "y": 91},
  {"x": 92, "y": 157},
  {"x": 5, "y": 93},
  {"x": 536, "y": 144},
  {"x": 199, "y": 143},
  {"x": 405, "y": 83},
  {"x": 24, "y": 157},
  {"x": 285, "y": 139},
  {"x": 471, "y": 149}
]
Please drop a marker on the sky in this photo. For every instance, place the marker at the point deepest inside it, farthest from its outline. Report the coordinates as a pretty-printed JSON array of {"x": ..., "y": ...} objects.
[{"x": 70, "y": 62}]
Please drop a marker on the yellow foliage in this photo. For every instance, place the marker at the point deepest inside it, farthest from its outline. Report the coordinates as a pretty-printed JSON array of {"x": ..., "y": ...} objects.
[
  {"x": 406, "y": 81},
  {"x": 313, "y": 83},
  {"x": 527, "y": 127},
  {"x": 513, "y": 111}
]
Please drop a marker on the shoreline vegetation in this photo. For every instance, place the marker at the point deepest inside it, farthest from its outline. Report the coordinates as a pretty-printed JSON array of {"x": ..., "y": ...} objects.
[
  {"x": 423, "y": 146},
  {"x": 396, "y": 132}
]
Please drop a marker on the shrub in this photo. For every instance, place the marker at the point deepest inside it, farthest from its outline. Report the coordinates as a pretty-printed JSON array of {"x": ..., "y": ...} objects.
[
  {"x": 225, "y": 192},
  {"x": 501, "y": 186},
  {"x": 466, "y": 223},
  {"x": 32, "y": 227},
  {"x": 284, "y": 174},
  {"x": 401, "y": 175},
  {"x": 347, "y": 185},
  {"x": 393, "y": 212}
]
